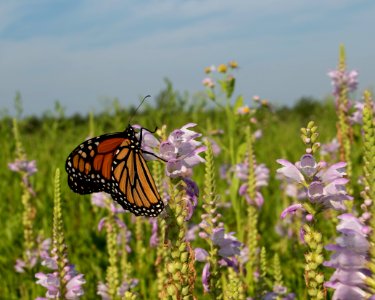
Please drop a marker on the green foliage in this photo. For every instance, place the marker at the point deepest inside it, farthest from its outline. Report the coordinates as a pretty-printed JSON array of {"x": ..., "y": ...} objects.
[{"x": 50, "y": 138}]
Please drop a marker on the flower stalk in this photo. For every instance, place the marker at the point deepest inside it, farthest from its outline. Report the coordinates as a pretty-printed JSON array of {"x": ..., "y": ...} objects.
[
  {"x": 112, "y": 276},
  {"x": 25, "y": 169},
  {"x": 180, "y": 263},
  {"x": 368, "y": 192}
]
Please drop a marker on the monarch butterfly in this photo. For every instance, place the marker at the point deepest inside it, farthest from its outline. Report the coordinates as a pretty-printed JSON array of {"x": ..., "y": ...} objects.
[{"x": 114, "y": 163}]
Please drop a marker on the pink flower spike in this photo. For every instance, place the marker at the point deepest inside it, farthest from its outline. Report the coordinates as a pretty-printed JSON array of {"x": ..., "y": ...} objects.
[
  {"x": 291, "y": 210},
  {"x": 200, "y": 254},
  {"x": 333, "y": 172},
  {"x": 290, "y": 171},
  {"x": 101, "y": 223}
]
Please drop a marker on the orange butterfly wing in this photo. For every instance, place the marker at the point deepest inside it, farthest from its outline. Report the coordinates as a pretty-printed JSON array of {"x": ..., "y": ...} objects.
[
  {"x": 114, "y": 163},
  {"x": 133, "y": 182}
]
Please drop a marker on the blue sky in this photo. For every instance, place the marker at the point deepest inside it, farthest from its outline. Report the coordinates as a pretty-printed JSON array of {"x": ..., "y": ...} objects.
[{"x": 83, "y": 53}]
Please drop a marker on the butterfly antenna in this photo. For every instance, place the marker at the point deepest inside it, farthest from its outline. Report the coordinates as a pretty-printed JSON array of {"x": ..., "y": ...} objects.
[{"x": 140, "y": 104}]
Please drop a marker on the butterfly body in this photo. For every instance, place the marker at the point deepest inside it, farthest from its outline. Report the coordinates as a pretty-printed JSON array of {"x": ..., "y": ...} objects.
[{"x": 114, "y": 163}]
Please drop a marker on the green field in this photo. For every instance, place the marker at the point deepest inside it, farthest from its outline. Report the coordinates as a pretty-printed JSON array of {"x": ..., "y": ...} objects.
[{"x": 50, "y": 137}]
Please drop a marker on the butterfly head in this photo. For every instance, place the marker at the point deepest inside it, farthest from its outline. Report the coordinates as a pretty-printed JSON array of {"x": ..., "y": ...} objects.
[{"x": 130, "y": 131}]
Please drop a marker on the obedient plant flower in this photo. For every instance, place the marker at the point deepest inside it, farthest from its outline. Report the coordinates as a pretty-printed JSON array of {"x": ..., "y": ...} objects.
[
  {"x": 26, "y": 169},
  {"x": 24, "y": 166},
  {"x": 357, "y": 116},
  {"x": 64, "y": 281},
  {"x": 104, "y": 200},
  {"x": 192, "y": 193},
  {"x": 181, "y": 151},
  {"x": 215, "y": 147},
  {"x": 349, "y": 259},
  {"x": 261, "y": 179},
  {"x": 330, "y": 151},
  {"x": 324, "y": 186},
  {"x": 154, "y": 239},
  {"x": 227, "y": 248},
  {"x": 279, "y": 292},
  {"x": 125, "y": 286},
  {"x": 73, "y": 283},
  {"x": 343, "y": 78},
  {"x": 33, "y": 256}
]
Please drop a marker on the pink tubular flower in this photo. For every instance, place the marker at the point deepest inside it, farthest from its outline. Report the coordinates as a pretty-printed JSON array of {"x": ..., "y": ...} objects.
[
  {"x": 181, "y": 151},
  {"x": 261, "y": 179},
  {"x": 339, "y": 79},
  {"x": 326, "y": 186},
  {"x": 52, "y": 283},
  {"x": 227, "y": 243},
  {"x": 29, "y": 167},
  {"x": 33, "y": 256},
  {"x": 99, "y": 199},
  {"x": 206, "y": 277},
  {"x": 330, "y": 149},
  {"x": 200, "y": 254},
  {"x": 154, "y": 239},
  {"x": 357, "y": 116},
  {"x": 349, "y": 259},
  {"x": 291, "y": 210},
  {"x": 290, "y": 171}
]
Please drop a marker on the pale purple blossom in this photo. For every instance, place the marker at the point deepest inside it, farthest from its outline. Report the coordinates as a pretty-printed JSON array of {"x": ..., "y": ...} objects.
[
  {"x": 258, "y": 134},
  {"x": 51, "y": 282},
  {"x": 127, "y": 285},
  {"x": 192, "y": 193},
  {"x": 330, "y": 149},
  {"x": 99, "y": 199},
  {"x": 357, "y": 116},
  {"x": 191, "y": 233},
  {"x": 227, "y": 243},
  {"x": 20, "y": 266},
  {"x": 118, "y": 221},
  {"x": 74, "y": 287},
  {"x": 200, "y": 254},
  {"x": 290, "y": 171},
  {"x": 292, "y": 209},
  {"x": 206, "y": 277},
  {"x": 33, "y": 256},
  {"x": 261, "y": 179},
  {"x": 349, "y": 259},
  {"x": 345, "y": 292},
  {"x": 339, "y": 79},
  {"x": 280, "y": 293},
  {"x": 24, "y": 166},
  {"x": 307, "y": 165},
  {"x": 324, "y": 186},
  {"x": 215, "y": 147},
  {"x": 26, "y": 169},
  {"x": 228, "y": 247},
  {"x": 181, "y": 152},
  {"x": 102, "y": 288},
  {"x": 148, "y": 143},
  {"x": 335, "y": 171},
  {"x": 154, "y": 239}
]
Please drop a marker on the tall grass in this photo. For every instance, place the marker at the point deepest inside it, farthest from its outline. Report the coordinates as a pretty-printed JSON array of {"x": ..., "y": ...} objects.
[{"x": 50, "y": 138}]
